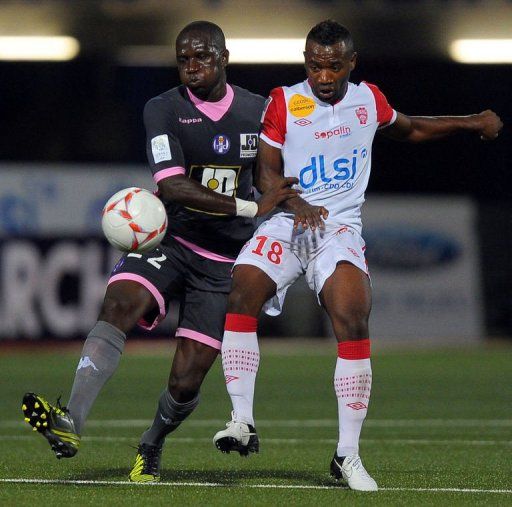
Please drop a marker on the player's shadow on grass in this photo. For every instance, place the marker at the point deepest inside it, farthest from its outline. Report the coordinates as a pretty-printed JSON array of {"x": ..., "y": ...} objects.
[{"x": 220, "y": 476}]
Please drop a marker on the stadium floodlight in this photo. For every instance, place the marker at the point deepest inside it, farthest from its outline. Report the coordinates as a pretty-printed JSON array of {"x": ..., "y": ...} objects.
[
  {"x": 240, "y": 51},
  {"x": 38, "y": 48},
  {"x": 266, "y": 50},
  {"x": 481, "y": 50}
]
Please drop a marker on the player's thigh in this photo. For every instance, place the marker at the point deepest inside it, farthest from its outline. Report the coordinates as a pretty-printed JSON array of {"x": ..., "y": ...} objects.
[
  {"x": 264, "y": 270},
  {"x": 202, "y": 316},
  {"x": 159, "y": 276},
  {"x": 346, "y": 296},
  {"x": 251, "y": 288},
  {"x": 125, "y": 303}
]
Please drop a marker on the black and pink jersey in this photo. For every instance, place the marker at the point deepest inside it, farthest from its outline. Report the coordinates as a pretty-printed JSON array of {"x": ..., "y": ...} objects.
[
  {"x": 328, "y": 147},
  {"x": 214, "y": 143}
]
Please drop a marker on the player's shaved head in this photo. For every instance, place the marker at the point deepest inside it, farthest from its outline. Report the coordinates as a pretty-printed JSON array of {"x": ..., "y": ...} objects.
[
  {"x": 330, "y": 32},
  {"x": 204, "y": 28}
]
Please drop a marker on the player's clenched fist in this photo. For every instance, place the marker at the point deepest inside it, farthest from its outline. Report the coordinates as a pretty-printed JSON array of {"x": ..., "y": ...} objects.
[
  {"x": 489, "y": 125},
  {"x": 274, "y": 196}
]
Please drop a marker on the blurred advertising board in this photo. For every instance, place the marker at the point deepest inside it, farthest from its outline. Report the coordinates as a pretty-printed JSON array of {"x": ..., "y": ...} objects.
[
  {"x": 54, "y": 263},
  {"x": 52, "y": 287},
  {"x": 424, "y": 264},
  {"x": 44, "y": 200}
]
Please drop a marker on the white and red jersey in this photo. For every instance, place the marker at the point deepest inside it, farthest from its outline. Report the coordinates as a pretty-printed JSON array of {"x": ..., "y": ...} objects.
[{"x": 327, "y": 147}]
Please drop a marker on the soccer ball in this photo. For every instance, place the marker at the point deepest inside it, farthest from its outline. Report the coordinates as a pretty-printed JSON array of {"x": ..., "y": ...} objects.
[{"x": 134, "y": 220}]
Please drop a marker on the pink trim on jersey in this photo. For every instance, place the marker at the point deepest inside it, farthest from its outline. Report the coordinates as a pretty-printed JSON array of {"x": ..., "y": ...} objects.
[
  {"x": 166, "y": 173},
  {"x": 202, "y": 252},
  {"x": 198, "y": 337},
  {"x": 154, "y": 292},
  {"x": 274, "y": 118},
  {"x": 214, "y": 110},
  {"x": 384, "y": 110}
]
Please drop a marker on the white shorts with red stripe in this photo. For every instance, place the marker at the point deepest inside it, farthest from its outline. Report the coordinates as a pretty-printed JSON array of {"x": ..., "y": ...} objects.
[{"x": 284, "y": 254}]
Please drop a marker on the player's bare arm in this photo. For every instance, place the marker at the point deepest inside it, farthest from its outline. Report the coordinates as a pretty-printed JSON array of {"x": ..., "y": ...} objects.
[
  {"x": 269, "y": 169},
  {"x": 417, "y": 129},
  {"x": 187, "y": 192}
]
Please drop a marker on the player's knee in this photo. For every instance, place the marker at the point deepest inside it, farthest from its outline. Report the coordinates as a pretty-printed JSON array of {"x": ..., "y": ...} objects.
[
  {"x": 351, "y": 325},
  {"x": 184, "y": 388},
  {"x": 122, "y": 313},
  {"x": 239, "y": 301}
]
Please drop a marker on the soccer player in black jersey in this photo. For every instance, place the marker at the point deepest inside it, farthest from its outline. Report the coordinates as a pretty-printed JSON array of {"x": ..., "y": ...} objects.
[{"x": 201, "y": 145}]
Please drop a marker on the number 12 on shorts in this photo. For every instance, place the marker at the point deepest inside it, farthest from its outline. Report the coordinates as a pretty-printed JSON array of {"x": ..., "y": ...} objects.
[{"x": 273, "y": 252}]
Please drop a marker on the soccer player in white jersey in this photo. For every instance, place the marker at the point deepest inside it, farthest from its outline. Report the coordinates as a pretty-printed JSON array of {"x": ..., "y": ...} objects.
[{"x": 320, "y": 131}]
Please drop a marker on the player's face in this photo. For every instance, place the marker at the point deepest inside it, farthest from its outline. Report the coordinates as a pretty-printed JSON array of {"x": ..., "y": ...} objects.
[
  {"x": 202, "y": 66},
  {"x": 328, "y": 69}
]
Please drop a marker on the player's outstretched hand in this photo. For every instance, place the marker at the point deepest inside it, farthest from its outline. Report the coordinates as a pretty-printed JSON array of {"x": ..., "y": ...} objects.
[
  {"x": 489, "y": 126},
  {"x": 308, "y": 215},
  {"x": 276, "y": 195}
]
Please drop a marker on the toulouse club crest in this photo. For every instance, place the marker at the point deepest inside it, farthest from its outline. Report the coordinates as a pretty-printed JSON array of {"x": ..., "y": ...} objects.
[
  {"x": 221, "y": 144},
  {"x": 362, "y": 115}
]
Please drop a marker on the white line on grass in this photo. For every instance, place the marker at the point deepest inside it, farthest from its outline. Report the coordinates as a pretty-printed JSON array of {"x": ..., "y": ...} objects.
[
  {"x": 252, "y": 486},
  {"x": 296, "y": 441},
  {"x": 303, "y": 423}
]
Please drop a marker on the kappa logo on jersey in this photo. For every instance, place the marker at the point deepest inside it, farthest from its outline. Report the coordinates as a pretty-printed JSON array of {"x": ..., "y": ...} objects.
[
  {"x": 248, "y": 145},
  {"x": 343, "y": 173},
  {"x": 302, "y": 122},
  {"x": 221, "y": 144},
  {"x": 160, "y": 148},
  {"x": 341, "y": 131},
  {"x": 188, "y": 121},
  {"x": 362, "y": 115},
  {"x": 301, "y": 106}
]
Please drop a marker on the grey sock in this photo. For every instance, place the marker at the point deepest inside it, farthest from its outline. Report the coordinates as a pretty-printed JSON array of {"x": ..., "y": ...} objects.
[
  {"x": 168, "y": 417},
  {"x": 100, "y": 357}
]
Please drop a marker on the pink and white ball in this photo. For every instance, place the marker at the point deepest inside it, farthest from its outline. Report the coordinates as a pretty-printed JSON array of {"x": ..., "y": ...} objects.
[{"x": 134, "y": 220}]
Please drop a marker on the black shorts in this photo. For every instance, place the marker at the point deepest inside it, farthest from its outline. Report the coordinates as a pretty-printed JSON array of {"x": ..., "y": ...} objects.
[{"x": 175, "y": 272}]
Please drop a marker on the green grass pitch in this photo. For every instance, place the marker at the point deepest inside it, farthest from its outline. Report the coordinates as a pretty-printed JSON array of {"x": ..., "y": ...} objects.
[{"x": 438, "y": 432}]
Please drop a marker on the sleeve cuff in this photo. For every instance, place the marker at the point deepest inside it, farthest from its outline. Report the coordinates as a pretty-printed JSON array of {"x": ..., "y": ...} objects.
[
  {"x": 267, "y": 139},
  {"x": 166, "y": 173}
]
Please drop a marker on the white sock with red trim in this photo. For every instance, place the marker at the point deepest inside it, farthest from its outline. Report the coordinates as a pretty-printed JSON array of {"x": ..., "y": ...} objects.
[
  {"x": 352, "y": 383},
  {"x": 240, "y": 360}
]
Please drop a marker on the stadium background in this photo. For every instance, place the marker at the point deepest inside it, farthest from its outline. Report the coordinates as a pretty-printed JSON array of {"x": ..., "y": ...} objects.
[
  {"x": 438, "y": 228},
  {"x": 66, "y": 122}
]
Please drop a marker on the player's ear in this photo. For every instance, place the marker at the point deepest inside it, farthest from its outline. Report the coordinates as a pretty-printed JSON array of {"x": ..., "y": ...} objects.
[
  {"x": 353, "y": 61},
  {"x": 305, "y": 60},
  {"x": 224, "y": 57}
]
